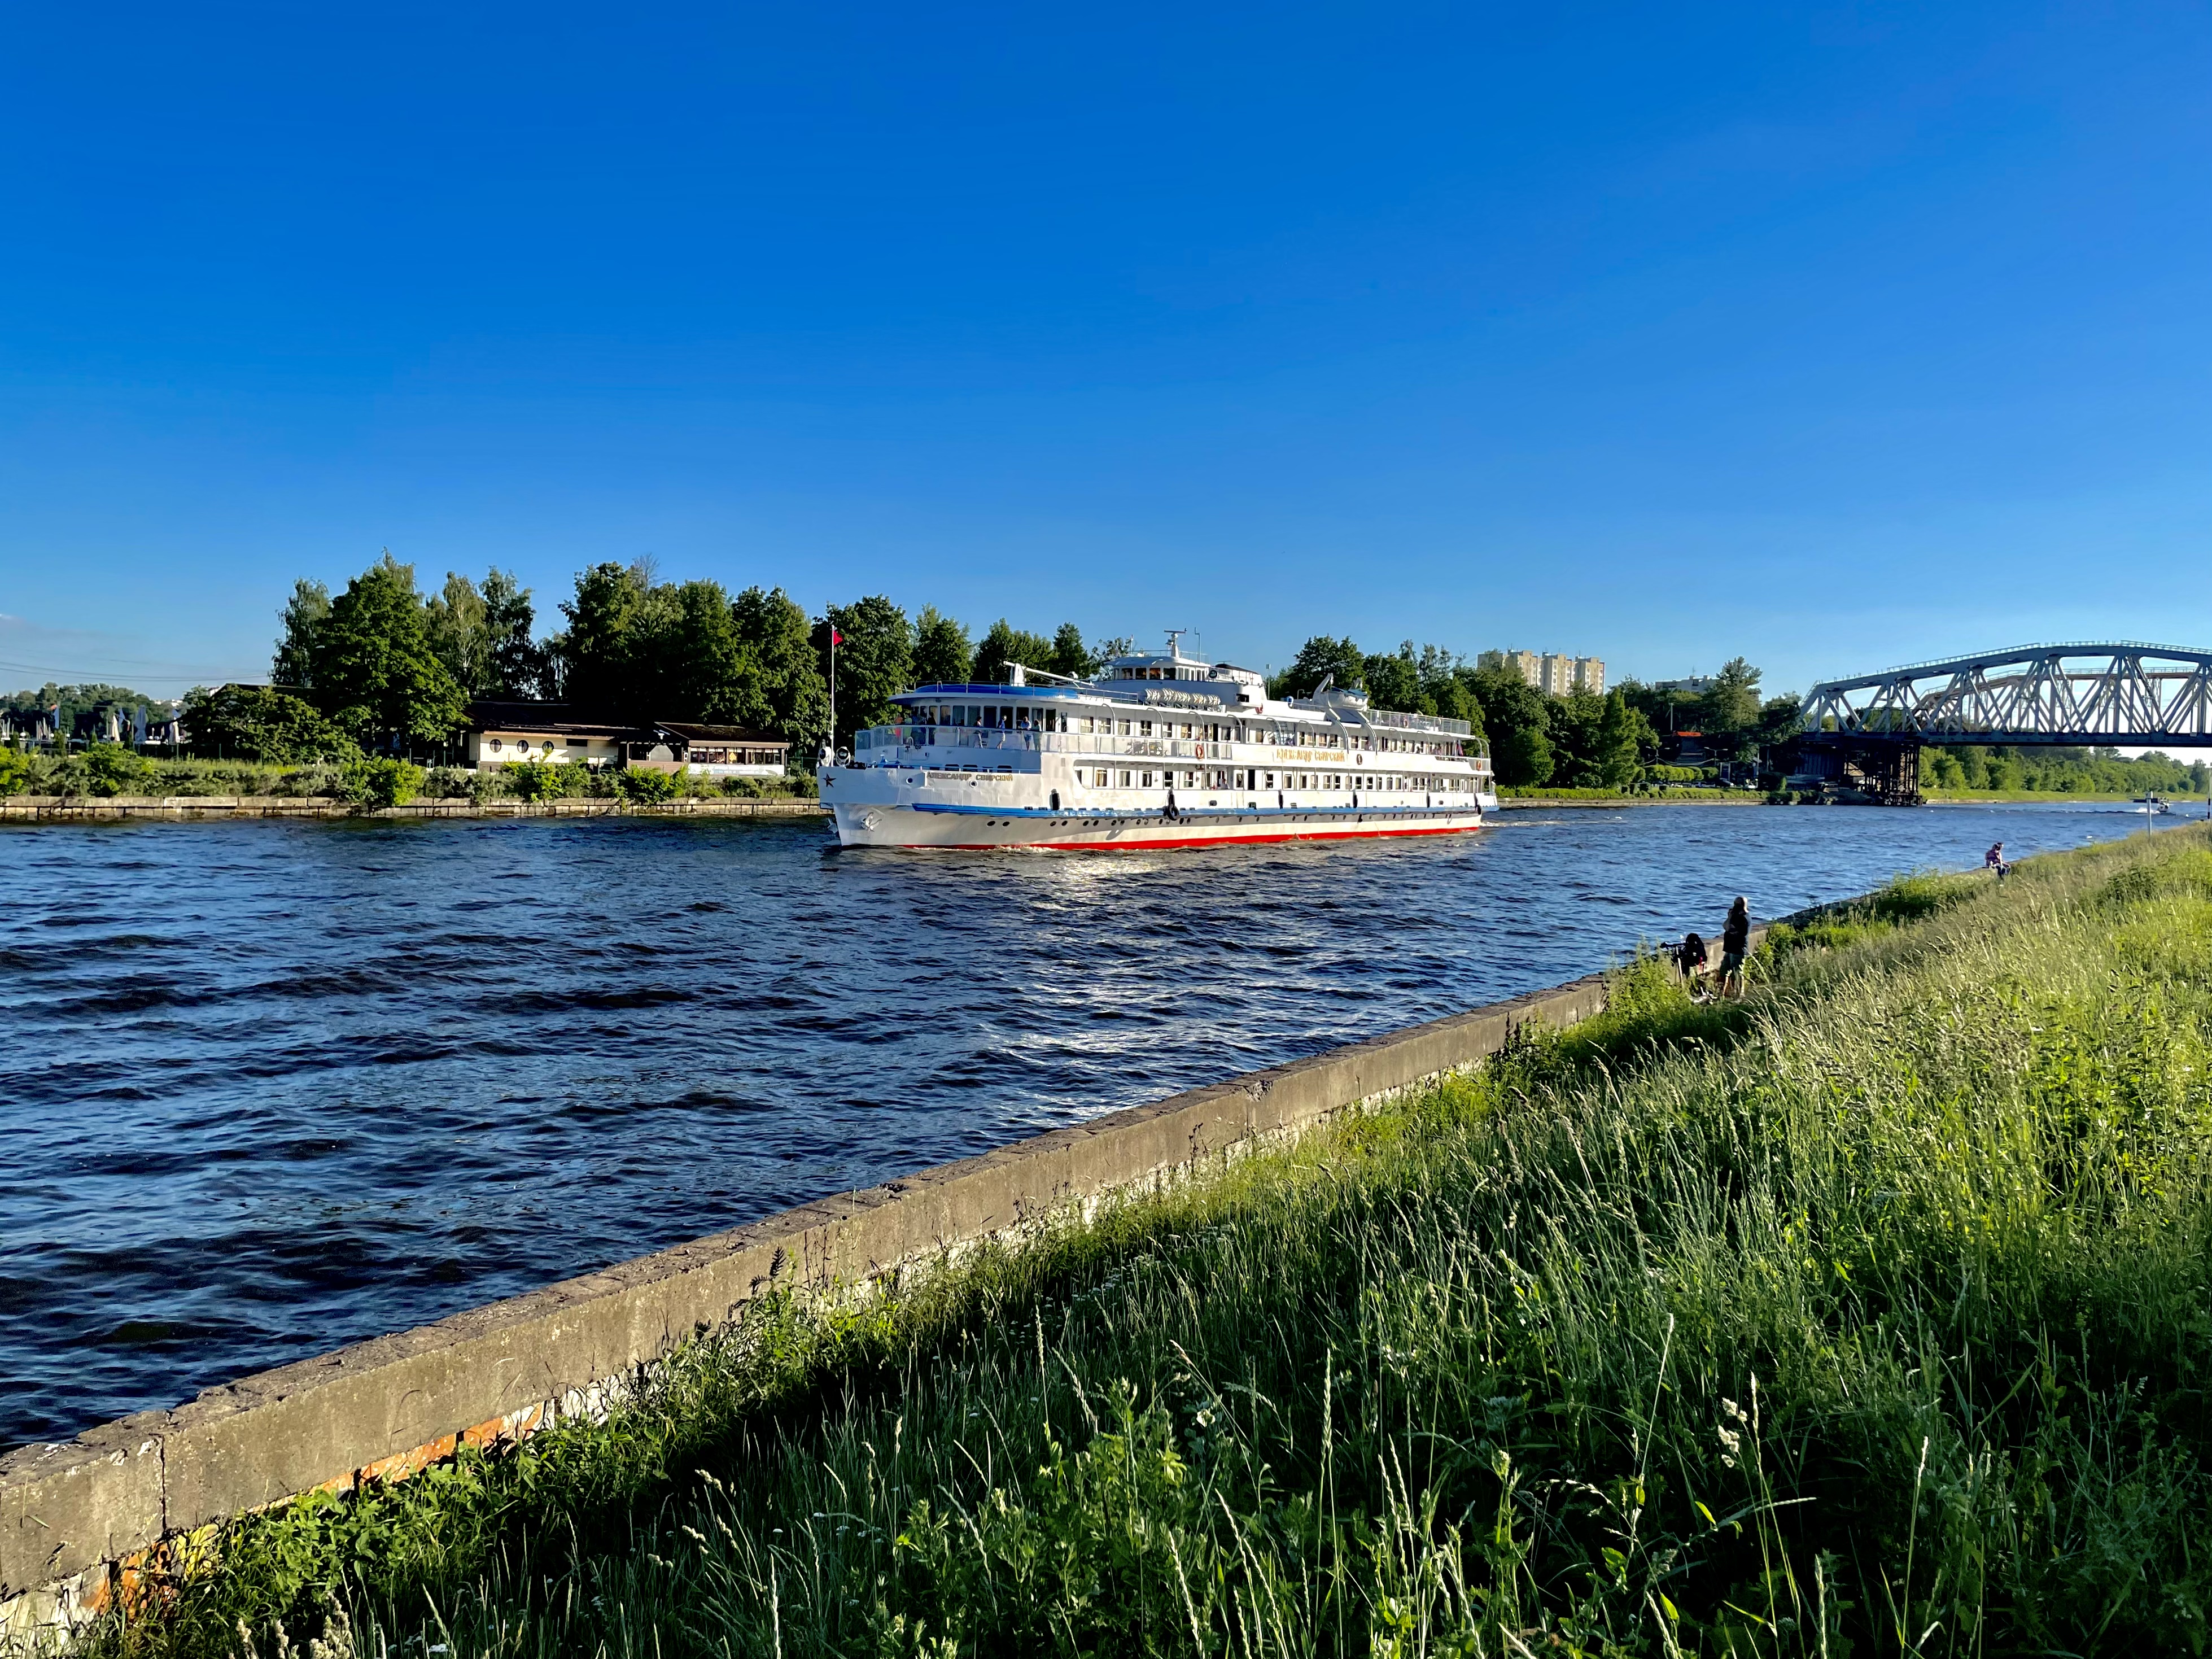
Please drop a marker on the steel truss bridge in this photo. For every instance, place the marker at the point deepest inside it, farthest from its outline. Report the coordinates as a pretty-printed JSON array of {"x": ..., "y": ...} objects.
[{"x": 1871, "y": 729}]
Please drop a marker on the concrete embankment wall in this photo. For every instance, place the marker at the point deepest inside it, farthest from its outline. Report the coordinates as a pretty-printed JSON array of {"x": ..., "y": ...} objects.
[
  {"x": 69, "y": 1513},
  {"x": 1608, "y": 803},
  {"x": 85, "y": 809}
]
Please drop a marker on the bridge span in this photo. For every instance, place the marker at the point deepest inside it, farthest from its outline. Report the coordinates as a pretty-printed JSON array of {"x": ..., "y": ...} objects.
[{"x": 1866, "y": 733}]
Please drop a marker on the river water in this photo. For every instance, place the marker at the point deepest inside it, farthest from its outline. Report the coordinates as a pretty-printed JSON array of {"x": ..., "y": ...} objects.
[{"x": 266, "y": 1088}]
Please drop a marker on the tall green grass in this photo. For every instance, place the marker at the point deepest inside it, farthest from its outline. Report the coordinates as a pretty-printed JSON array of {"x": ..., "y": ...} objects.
[{"x": 1871, "y": 1315}]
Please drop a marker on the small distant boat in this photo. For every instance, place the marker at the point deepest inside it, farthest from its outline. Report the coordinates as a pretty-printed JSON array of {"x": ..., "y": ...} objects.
[{"x": 2153, "y": 804}]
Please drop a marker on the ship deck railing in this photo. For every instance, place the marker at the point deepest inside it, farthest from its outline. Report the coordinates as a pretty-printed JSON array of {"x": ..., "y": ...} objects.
[{"x": 878, "y": 739}]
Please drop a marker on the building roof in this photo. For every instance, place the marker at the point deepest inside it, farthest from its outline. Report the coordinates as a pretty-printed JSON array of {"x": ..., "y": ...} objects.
[
  {"x": 691, "y": 731},
  {"x": 556, "y": 719}
]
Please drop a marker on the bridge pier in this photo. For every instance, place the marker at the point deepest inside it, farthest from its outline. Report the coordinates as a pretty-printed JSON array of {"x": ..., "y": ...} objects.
[{"x": 1885, "y": 771}]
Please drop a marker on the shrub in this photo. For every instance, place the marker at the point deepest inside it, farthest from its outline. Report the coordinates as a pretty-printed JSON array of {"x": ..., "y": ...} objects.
[
  {"x": 532, "y": 780},
  {"x": 382, "y": 781},
  {"x": 16, "y": 772},
  {"x": 543, "y": 780},
  {"x": 447, "y": 782},
  {"x": 111, "y": 769},
  {"x": 643, "y": 787},
  {"x": 320, "y": 781}
]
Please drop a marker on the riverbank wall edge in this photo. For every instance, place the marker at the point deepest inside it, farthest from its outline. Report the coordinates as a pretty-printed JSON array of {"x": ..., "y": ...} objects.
[
  {"x": 74, "y": 1516},
  {"x": 92, "y": 809},
  {"x": 110, "y": 809}
]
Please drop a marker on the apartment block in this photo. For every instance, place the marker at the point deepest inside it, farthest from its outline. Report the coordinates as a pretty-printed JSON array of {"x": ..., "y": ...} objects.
[
  {"x": 1550, "y": 672},
  {"x": 1524, "y": 663}
]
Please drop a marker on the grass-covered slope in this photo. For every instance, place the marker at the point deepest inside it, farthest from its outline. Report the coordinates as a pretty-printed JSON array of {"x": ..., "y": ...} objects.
[{"x": 1873, "y": 1316}]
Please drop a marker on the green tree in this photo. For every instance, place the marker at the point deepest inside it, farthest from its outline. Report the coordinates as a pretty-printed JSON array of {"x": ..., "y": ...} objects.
[
  {"x": 302, "y": 615},
  {"x": 683, "y": 658},
  {"x": 454, "y": 621},
  {"x": 781, "y": 689},
  {"x": 261, "y": 723},
  {"x": 942, "y": 655},
  {"x": 1469, "y": 702},
  {"x": 1005, "y": 643},
  {"x": 874, "y": 664},
  {"x": 1521, "y": 755},
  {"x": 518, "y": 662},
  {"x": 85, "y": 709},
  {"x": 1618, "y": 765},
  {"x": 1393, "y": 682},
  {"x": 1571, "y": 723},
  {"x": 1319, "y": 658},
  {"x": 1070, "y": 656},
  {"x": 597, "y": 650},
  {"x": 374, "y": 673},
  {"x": 1513, "y": 713},
  {"x": 1728, "y": 711}
]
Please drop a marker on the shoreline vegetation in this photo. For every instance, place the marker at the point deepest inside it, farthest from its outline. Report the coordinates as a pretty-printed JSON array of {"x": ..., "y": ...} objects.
[
  {"x": 1537, "y": 795},
  {"x": 382, "y": 674},
  {"x": 111, "y": 772},
  {"x": 1865, "y": 1315}
]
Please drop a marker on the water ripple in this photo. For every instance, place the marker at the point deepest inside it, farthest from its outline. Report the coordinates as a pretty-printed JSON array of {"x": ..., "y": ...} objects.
[{"x": 265, "y": 1088}]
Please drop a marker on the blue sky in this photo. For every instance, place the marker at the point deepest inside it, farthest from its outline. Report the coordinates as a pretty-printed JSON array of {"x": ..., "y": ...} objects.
[{"x": 1834, "y": 337}]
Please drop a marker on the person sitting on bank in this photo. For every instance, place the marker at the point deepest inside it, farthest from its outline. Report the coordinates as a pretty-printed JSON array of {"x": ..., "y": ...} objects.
[
  {"x": 1691, "y": 960},
  {"x": 1735, "y": 945},
  {"x": 1995, "y": 860}
]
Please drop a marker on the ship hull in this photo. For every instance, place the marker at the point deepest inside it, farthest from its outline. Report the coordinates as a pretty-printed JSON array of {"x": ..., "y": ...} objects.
[{"x": 967, "y": 829}]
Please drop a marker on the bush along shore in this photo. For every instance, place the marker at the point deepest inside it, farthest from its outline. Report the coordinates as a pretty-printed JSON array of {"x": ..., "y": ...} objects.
[
  {"x": 109, "y": 772},
  {"x": 1867, "y": 1315}
]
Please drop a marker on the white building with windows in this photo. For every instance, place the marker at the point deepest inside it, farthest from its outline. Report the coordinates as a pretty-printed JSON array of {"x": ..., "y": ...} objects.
[{"x": 1551, "y": 672}]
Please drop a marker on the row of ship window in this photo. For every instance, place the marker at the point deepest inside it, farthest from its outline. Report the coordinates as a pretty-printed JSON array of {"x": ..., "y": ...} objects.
[
  {"x": 1101, "y": 777},
  {"x": 1021, "y": 717}
]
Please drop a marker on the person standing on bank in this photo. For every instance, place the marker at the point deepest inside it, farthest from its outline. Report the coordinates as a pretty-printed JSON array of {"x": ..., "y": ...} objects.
[{"x": 1736, "y": 945}]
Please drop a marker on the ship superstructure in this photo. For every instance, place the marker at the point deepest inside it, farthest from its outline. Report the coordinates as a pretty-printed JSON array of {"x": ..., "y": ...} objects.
[{"x": 1160, "y": 749}]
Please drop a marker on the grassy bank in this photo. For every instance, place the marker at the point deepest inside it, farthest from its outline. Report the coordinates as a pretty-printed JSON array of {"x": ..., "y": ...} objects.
[
  {"x": 1868, "y": 1316},
  {"x": 2181, "y": 803},
  {"x": 1538, "y": 793}
]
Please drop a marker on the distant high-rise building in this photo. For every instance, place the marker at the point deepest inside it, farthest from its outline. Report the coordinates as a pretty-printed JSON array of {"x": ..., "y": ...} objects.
[
  {"x": 1552, "y": 673},
  {"x": 1523, "y": 663}
]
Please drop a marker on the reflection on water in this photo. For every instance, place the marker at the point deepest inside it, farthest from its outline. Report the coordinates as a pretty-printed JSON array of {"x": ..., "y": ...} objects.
[{"x": 266, "y": 1088}]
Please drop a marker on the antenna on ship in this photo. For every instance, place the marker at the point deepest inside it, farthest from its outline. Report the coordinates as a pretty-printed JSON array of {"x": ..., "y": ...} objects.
[{"x": 1174, "y": 641}]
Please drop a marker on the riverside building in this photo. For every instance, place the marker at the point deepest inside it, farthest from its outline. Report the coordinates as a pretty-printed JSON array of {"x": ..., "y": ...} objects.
[{"x": 1159, "y": 749}]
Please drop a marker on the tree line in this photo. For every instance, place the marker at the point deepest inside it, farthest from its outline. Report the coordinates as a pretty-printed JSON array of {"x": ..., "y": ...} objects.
[
  {"x": 382, "y": 667},
  {"x": 2060, "y": 769},
  {"x": 1578, "y": 740}
]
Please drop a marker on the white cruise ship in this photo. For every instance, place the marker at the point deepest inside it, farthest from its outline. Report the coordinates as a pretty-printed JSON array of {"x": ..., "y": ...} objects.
[{"x": 1158, "y": 751}]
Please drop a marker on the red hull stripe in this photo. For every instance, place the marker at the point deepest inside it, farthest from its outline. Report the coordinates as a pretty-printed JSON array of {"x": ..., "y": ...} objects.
[{"x": 1155, "y": 846}]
